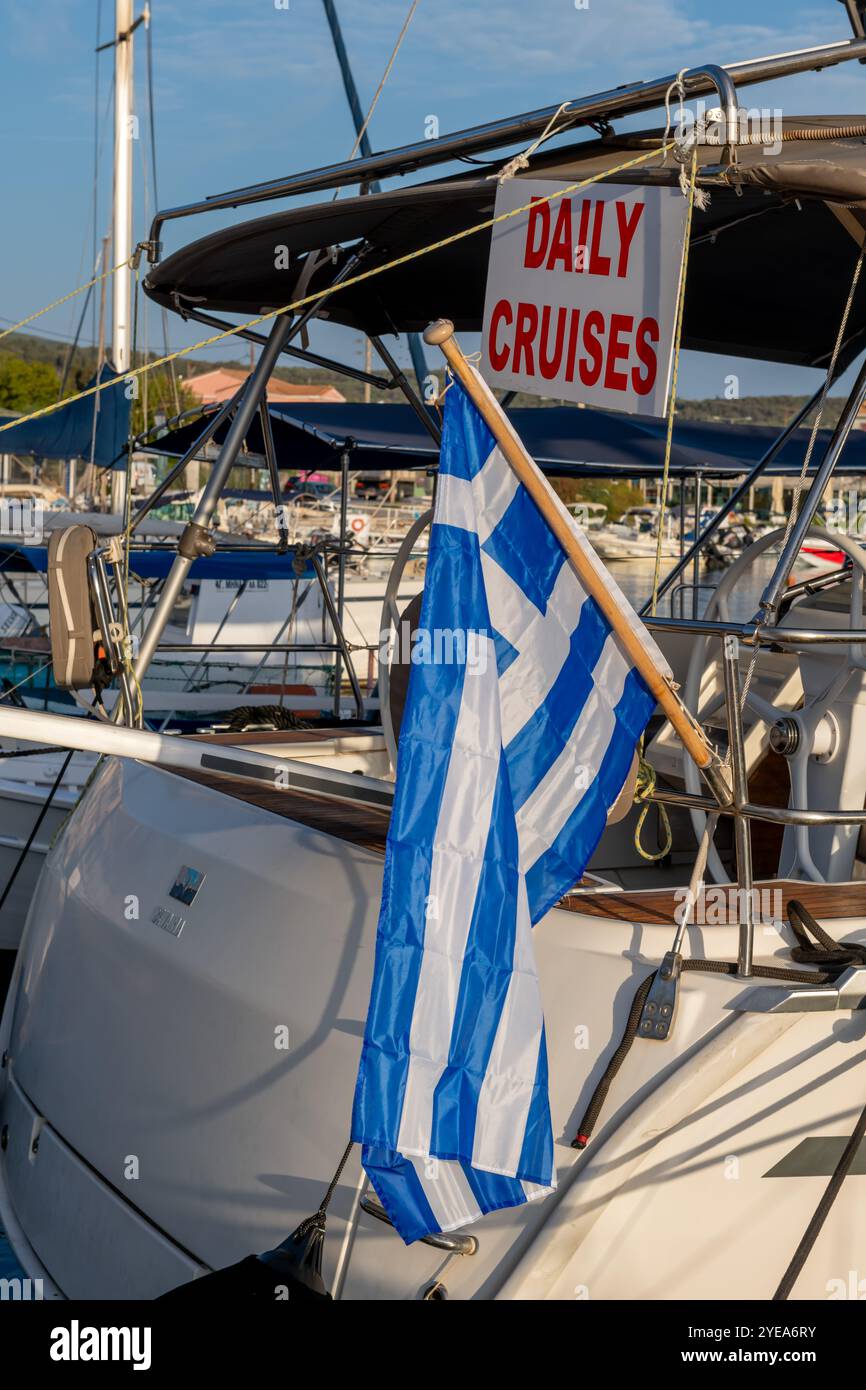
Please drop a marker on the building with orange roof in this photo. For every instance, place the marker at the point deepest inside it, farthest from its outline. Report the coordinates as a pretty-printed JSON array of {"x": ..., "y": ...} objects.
[{"x": 220, "y": 384}]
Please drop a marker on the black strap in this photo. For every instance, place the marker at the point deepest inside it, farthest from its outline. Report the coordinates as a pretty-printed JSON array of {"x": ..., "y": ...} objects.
[
  {"x": 822, "y": 1211},
  {"x": 832, "y": 957},
  {"x": 318, "y": 1217},
  {"x": 712, "y": 967}
]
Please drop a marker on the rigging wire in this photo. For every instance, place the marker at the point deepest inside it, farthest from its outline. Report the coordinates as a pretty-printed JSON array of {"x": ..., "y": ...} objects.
[
  {"x": 75, "y": 341},
  {"x": 385, "y": 75},
  {"x": 91, "y": 230},
  {"x": 97, "y": 253},
  {"x": 378, "y": 92},
  {"x": 122, "y": 570},
  {"x": 97, "y": 151},
  {"x": 49, "y": 333},
  {"x": 691, "y": 190},
  {"x": 794, "y": 509},
  {"x": 146, "y": 343},
  {"x": 65, "y": 298},
  {"x": 152, "y": 135}
]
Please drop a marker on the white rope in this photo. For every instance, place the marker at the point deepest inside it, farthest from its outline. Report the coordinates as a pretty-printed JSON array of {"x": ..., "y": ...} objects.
[
  {"x": 679, "y": 86},
  {"x": 378, "y": 92},
  {"x": 385, "y": 75},
  {"x": 701, "y": 196},
  {"x": 521, "y": 161}
]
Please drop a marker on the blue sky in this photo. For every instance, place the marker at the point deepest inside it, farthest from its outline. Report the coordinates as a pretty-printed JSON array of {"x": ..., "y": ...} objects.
[{"x": 246, "y": 90}]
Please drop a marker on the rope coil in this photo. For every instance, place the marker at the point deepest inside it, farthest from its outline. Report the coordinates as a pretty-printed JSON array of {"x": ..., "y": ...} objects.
[{"x": 644, "y": 787}]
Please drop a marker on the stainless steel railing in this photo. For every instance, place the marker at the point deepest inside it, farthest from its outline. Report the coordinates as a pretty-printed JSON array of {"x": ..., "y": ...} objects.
[{"x": 740, "y": 808}]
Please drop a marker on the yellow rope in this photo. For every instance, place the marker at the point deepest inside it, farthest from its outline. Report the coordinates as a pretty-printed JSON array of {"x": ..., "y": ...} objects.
[
  {"x": 64, "y": 299},
  {"x": 334, "y": 289},
  {"x": 646, "y": 775},
  {"x": 643, "y": 789},
  {"x": 672, "y": 405}
]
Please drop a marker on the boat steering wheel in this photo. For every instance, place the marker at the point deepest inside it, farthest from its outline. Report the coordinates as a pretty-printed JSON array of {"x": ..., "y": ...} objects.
[
  {"x": 389, "y": 624},
  {"x": 807, "y": 727}
]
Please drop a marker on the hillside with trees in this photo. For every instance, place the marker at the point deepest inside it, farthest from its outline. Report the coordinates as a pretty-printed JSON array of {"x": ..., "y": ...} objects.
[
  {"x": 36, "y": 371},
  {"x": 26, "y": 385},
  {"x": 78, "y": 367}
]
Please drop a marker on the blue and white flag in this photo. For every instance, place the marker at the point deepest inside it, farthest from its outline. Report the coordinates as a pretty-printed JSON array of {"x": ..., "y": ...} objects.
[{"x": 519, "y": 731}]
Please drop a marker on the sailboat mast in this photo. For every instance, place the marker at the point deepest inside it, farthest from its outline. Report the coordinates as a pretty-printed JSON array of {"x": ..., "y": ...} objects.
[
  {"x": 124, "y": 133},
  {"x": 416, "y": 351}
]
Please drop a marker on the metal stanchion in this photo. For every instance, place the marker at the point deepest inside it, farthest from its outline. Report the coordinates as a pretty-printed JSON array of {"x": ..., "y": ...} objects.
[{"x": 742, "y": 828}]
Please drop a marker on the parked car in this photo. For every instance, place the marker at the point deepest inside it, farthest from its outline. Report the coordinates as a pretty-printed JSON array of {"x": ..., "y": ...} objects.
[
  {"x": 371, "y": 489},
  {"x": 311, "y": 487}
]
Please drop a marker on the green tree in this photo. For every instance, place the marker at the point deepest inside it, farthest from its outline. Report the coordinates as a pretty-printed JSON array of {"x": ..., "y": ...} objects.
[
  {"x": 616, "y": 496},
  {"x": 26, "y": 386},
  {"x": 161, "y": 399}
]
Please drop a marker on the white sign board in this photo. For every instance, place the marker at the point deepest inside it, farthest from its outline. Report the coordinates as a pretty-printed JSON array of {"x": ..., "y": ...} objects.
[{"x": 582, "y": 292}]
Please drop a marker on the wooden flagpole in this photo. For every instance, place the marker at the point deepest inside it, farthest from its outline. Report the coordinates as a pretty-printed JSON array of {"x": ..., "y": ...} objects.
[{"x": 441, "y": 334}]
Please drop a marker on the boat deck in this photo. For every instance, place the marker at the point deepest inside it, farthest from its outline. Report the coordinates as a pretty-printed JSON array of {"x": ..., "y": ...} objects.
[
  {"x": 825, "y": 901},
  {"x": 367, "y": 826},
  {"x": 362, "y": 825},
  {"x": 263, "y": 737}
]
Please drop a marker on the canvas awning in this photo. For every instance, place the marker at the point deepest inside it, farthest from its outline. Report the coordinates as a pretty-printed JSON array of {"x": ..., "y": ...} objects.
[
  {"x": 565, "y": 441},
  {"x": 99, "y": 422},
  {"x": 155, "y": 564},
  {"x": 770, "y": 268}
]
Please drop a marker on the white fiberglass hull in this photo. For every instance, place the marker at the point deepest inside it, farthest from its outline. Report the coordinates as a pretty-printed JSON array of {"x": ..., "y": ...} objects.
[{"x": 610, "y": 546}]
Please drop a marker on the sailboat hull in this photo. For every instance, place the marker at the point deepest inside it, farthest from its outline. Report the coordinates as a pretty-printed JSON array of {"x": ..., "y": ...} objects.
[{"x": 187, "y": 1069}]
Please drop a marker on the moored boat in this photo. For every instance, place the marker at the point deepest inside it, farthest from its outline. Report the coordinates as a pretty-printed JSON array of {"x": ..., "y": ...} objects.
[{"x": 214, "y": 901}]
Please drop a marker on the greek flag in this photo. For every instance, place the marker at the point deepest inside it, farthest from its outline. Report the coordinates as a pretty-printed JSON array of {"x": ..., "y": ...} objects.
[{"x": 518, "y": 734}]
